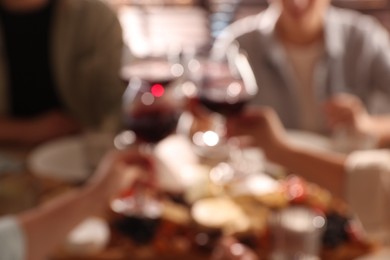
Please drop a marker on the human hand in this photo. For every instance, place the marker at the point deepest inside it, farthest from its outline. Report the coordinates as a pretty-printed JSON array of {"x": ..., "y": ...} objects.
[
  {"x": 48, "y": 126},
  {"x": 117, "y": 171},
  {"x": 351, "y": 125},
  {"x": 347, "y": 111},
  {"x": 258, "y": 126}
]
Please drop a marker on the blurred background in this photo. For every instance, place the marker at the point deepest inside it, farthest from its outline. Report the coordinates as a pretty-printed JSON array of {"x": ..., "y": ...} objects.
[{"x": 149, "y": 25}]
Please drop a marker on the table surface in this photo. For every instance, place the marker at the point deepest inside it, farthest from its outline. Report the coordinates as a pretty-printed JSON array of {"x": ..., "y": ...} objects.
[{"x": 41, "y": 189}]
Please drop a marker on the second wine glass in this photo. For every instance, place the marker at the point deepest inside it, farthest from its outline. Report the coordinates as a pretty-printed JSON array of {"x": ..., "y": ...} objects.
[{"x": 226, "y": 86}]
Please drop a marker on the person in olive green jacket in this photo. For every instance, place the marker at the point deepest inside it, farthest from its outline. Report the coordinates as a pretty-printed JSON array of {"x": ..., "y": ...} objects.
[{"x": 59, "y": 68}]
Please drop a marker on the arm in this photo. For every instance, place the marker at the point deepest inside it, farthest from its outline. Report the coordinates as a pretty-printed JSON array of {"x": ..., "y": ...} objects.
[
  {"x": 381, "y": 129},
  {"x": 325, "y": 169},
  {"x": 348, "y": 111},
  {"x": 379, "y": 37},
  {"x": 47, "y": 226},
  {"x": 266, "y": 131},
  {"x": 39, "y": 129}
]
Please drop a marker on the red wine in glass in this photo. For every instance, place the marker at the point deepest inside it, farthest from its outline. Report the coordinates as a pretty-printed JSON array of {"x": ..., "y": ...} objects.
[
  {"x": 224, "y": 108},
  {"x": 153, "y": 125},
  {"x": 152, "y": 106},
  {"x": 142, "y": 230},
  {"x": 226, "y": 96},
  {"x": 138, "y": 222}
]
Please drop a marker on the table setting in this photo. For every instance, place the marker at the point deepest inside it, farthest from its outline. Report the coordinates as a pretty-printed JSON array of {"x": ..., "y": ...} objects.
[
  {"x": 208, "y": 198},
  {"x": 195, "y": 207}
]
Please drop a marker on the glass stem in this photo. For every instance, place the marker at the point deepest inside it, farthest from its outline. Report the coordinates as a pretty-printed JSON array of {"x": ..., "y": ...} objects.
[{"x": 219, "y": 126}]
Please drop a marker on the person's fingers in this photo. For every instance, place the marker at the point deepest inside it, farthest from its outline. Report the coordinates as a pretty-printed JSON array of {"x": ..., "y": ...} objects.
[
  {"x": 243, "y": 141},
  {"x": 129, "y": 175},
  {"x": 114, "y": 162},
  {"x": 344, "y": 117},
  {"x": 128, "y": 157},
  {"x": 255, "y": 122},
  {"x": 337, "y": 114},
  {"x": 344, "y": 102}
]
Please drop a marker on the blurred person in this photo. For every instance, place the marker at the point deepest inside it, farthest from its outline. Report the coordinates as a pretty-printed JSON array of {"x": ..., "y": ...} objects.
[
  {"x": 34, "y": 234},
  {"x": 59, "y": 67},
  {"x": 304, "y": 52},
  {"x": 361, "y": 179},
  {"x": 348, "y": 113}
]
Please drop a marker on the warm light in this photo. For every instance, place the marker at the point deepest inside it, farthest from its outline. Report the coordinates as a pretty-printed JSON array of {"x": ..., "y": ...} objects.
[
  {"x": 194, "y": 65},
  {"x": 262, "y": 184},
  {"x": 147, "y": 99},
  {"x": 221, "y": 173},
  {"x": 302, "y": 220},
  {"x": 124, "y": 139},
  {"x": 234, "y": 89},
  {"x": 197, "y": 138},
  {"x": 319, "y": 222},
  {"x": 237, "y": 249},
  {"x": 210, "y": 138},
  {"x": 297, "y": 220},
  {"x": 296, "y": 190},
  {"x": 157, "y": 90},
  {"x": 189, "y": 89},
  {"x": 177, "y": 70}
]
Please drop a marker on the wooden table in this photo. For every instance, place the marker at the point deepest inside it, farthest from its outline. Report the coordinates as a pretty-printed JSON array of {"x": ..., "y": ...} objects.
[{"x": 41, "y": 189}]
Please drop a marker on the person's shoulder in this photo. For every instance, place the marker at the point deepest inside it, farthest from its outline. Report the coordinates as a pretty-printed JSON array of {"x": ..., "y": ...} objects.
[
  {"x": 101, "y": 5},
  {"x": 355, "y": 21},
  {"x": 89, "y": 19},
  {"x": 242, "y": 31},
  {"x": 96, "y": 8},
  {"x": 244, "y": 26}
]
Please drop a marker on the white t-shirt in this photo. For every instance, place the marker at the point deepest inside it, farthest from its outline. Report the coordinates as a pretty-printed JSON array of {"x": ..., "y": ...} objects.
[
  {"x": 12, "y": 240},
  {"x": 303, "y": 61},
  {"x": 368, "y": 191}
]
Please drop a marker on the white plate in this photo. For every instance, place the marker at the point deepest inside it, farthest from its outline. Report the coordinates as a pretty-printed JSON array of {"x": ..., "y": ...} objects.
[
  {"x": 61, "y": 159},
  {"x": 64, "y": 159},
  {"x": 89, "y": 237}
]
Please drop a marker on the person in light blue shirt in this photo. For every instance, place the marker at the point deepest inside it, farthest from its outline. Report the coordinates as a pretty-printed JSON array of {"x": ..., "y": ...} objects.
[
  {"x": 305, "y": 52},
  {"x": 34, "y": 234}
]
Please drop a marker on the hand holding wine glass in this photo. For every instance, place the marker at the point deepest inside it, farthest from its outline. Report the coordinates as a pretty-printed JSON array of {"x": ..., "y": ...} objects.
[
  {"x": 152, "y": 104},
  {"x": 352, "y": 127}
]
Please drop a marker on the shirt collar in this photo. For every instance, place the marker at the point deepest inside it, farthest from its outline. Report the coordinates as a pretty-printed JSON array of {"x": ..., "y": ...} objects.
[
  {"x": 267, "y": 20},
  {"x": 266, "y": 26},
  {"x": 333, "y": 33}
]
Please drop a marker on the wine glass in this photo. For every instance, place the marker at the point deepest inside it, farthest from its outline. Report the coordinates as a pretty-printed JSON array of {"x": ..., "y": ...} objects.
[
  {"x": 151, "y": 107},
  {"x": 152, "y": 102},
  {"x": 226, "y": 86}
]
